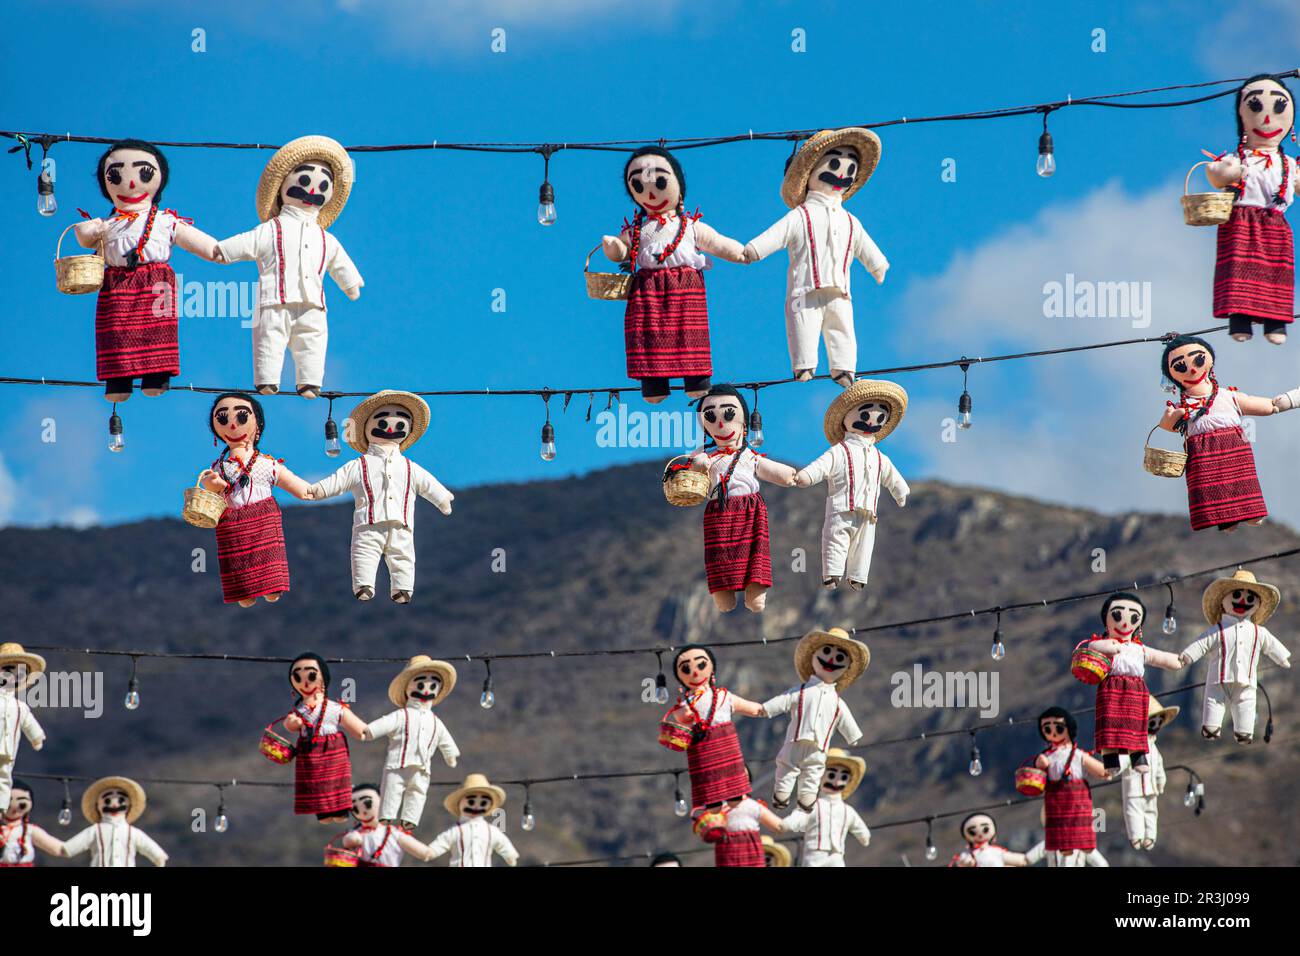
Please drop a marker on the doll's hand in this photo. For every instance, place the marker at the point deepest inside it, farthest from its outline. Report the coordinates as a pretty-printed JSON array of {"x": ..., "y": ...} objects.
[
  {"x": 352, "y": 840},
  {"x": 749, "y": 254},
  {"x": 615, "y": 248},
  {"x": 445, "y": 507},
  {"x": 878, "y": 273},
  {"x": 212, "y": 481},
  {"x": 353, "y": 293},
  {"x": 902, "y": 502},
  {"x": 1226, "y": 170},
  {"x": 216, "y": 255},
  {"x": 965, "y": 859},
  {"x": 1287, "y": 400},
  {"x": 700, "y": 462},
  {"x": 802, "y": 480},
  {"x": 292, "y": 723}
]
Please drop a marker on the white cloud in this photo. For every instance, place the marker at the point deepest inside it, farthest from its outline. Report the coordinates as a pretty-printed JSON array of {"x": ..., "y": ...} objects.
[
  {"x": 1249, "y": 39},
  {"x": 1071, "y": 428}
]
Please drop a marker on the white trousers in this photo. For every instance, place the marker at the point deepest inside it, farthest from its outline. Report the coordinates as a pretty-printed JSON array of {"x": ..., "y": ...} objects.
[
  {"x": 1140, "y": 815},
  {"x": 822, "y": 858},
  {"x": 402, "y": 793},
  {"x": 848, "y": 540},
  {"x": 1067, "y": 858},
  {"x": 800, "y": 761},
  {"x": 392, "y": 542},
  {"x": 823, "y": 312},
  {"x": 300, "y": 328},
  {"x": 1239, "y": 699},
  {"x": 6, "y": 783}
]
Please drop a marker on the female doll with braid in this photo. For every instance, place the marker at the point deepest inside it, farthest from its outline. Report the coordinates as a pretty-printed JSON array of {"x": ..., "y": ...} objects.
[
  {"x": 1222, "y": 487},
  {"x": 1254, "y": 271},
  {"x": 736, "y": 552},
  {"x": 666, "y": 324},
  {"x": 250, "y": 538}
]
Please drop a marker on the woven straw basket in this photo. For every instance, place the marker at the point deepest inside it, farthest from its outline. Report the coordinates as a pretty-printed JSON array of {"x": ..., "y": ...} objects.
[
  {"x": 685, "y": 487},
  {"x": 1161, "y": 463},
  {"x": 1206, "y": 209},
  {"x": 606, "y": 285},
  {"x": 77, "y": 275},
  {"x": 203, "y": 508}
]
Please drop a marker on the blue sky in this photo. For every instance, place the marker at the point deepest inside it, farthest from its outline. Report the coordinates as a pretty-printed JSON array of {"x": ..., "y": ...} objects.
[{"x": 435, "y": 234}]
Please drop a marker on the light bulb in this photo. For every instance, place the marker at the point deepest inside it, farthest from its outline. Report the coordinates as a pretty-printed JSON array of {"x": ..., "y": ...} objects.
[
  {"x": 661, "y": 688},
  {"x": 132, "y": 701},
  {"x": 1171, "y": 622},
  {"x": 1046, "y": 158},
  {"x": 963, "y": 408},
  {"x": 528, "y": 821},
  {"x": 976, "y": 766},
  {"x": 681, "y": 807},
  {"x": 46, "y": 204},
  {"x": 223, "y": 822},
  {"x": 546, "y": 204},
  {"x": 1189, "y": 798},
  {"x": 65, "y": 815},
  {"x": 931, "y": 851},
  {"x": 487, "y": 699},
  {"x": 116, "y": 438},
  {"x": 756, "y": 429},
  {"x": 999, "y": 650},
  {"x": 548, "y": 442},
  {"x": 332, "y": 446}
]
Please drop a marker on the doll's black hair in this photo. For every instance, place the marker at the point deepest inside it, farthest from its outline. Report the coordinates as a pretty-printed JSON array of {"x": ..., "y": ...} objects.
[
  {"x": 144, "y": 147},
  {"x": 1121, "y": 596},
  {"x": 17, "y": 784},
  {"x": 319, "y": 661},
  {"x": 1071, "y": 725},
  {"x": 1178, "y": 342},
  {"x": 1284, "y": 188},
  {"x": 258, "y": 414},
  {"x": 720, "y": 491},
  {"x": 662, "y": 858},
  {"x": 694, "y": 647},
  {"x": 972, "y": 816},
  {"x": 662, "y": 153},
  {"x": 365, "y": 786}
]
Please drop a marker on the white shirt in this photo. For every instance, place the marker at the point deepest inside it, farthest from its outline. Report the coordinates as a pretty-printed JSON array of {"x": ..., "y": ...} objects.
[
  {"x": 827, "y": 824},
  {"x": 1150, "y": 784},
  {"x": 703, "y": 701},
  {"x": 15, "y": 718},
  {"x": 816, "y": 712},
  {"x": 414, "y": 734},
  {"x": 986, "y": 854},
  {"x": 744, "y": 477},
  {"x": 380, "y": 845},
  {"x": 655, "y": 238},
  {"x": 122, "y": 234},
  {"x": 854, "y": 471},
  {"x": 1263, "y": 179},
  {"x": 17, "y": 844},
  {"x": 822, "y": 238},
  {"x": 115, "y": 843},
  {"x": 293, "y": 252},
  {"x": 1059, "y": 759},
  {"x": 329, "y": 724},
  {"x": 261, "y": 480},
  {"x": 744, "y": 816},
  {"x": 1224, "y": 413},
  {"x": 472, "y": 842},
  {"x": 1239, "y": 643},
  {"x": 384, "y": 486},
  {"x": 1129, "y": 661}
]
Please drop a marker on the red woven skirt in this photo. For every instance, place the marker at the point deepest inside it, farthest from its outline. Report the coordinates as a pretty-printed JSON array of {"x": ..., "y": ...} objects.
[
  {"x": 322, "y": 778},
  {"x": 135, "y": 322},
  {"x": 1254, "y": 271},
  {"x": 666, "y": 324},
  {"x": 736, "y": 551},
  {"x": 1069, "y": 815},
  {"x": 717, "y": 767},
  {"x": 1121, "y": 717},
  {"x": 743, "y": 848},
  {"x": 1222, "y": 487},
  {"x": 250, "y": 550}
]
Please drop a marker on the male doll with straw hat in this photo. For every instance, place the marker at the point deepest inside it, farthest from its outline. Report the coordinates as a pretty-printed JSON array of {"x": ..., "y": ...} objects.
[
  {"x": 1236, "y": 608},
  {"x": 822, "y": 239},
  {"x": 826, "y": 826},
  {"x": 827, "y": 662},
  {"x": 414, "y": 735},
  {"x": 303, "y": 189},
  {"x": 1141, "y": 787},
  {"x": 385, "y": 485},
  {"x": 18, "y": 668},
  {"x": 474, "y": 839},
  {"x": 855, "y": 470},
  {"x": 111, "y": 805}
]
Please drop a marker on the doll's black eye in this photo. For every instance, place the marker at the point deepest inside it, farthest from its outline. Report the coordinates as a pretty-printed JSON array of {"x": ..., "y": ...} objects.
[
  {"x": 115, "y": 177},
  {"x": 852, "y": 170},
  {"x": 304, "y": 180},
  {"x": 1133, "y": 618},
  {"x": 324, "y": 185},
  {"x": 834, "y": 164},
  {"x": 1254, "y": 104},
  {"x": 146, "y": 174},
  {"x": 661, "y": 183},
  {"x": 711, "y": 416},
  {"x": 637, "y": 187},
  {"x": 729, "y": 414},
  {"x": 1117, "y": 616}
]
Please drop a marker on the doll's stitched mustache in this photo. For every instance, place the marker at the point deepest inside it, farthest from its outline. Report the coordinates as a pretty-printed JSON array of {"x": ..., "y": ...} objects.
[
  {"x": 314, "y": 199},
  {"x": 829, "y": 665},
  {"x": 862, "y": 425},
  {"x": 839, "y": 182},
  {"x": 397, "y": 431}
]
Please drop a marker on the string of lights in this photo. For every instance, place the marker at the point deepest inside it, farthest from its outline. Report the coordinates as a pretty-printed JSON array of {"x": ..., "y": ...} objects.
[
  {"x": 117, "y": 433},
  {"x": 1045, "y": 164}
]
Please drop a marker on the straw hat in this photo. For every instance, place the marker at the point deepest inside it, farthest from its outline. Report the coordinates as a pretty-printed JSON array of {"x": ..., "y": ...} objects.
[
  {"x": 306, "y": 149},
  {"x": 859, "y": 654},
  {"x": 413, "y": 403},
  {"x": 856, "y": 766},
  {"x": 475, "y": 783},
  {"x": 1212, "y": 599},
  {"x": 778, "y": 853},
  {"x": 422, "y": 664},
  {"x": 795, "y": 185},
  {"x": 1165, "y": 714},
  {"x": 90, "y": 799},
  {"x": 12, "y": 652},
  {"x": 865, "y": 390}
]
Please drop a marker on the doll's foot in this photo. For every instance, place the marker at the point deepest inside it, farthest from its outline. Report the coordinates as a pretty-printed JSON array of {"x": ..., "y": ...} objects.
[
  {"x": 117, "y": 389},
  {"x": 309, "y": 391},
  {"x": 331, "y": 817},
  {"x": 1211, "y": 733},
  {"x": 401, "y": 597},
  {"x": 1245, "y": 738},
  {"x": 1255, "y": 522},
  {"x": 1230, "y": 527},
  {"x": 830, "y": 584},
  {"x": 857, "y": 585},
  {"x": 267, "y": 389},
  {"x": 807, "y": 808},
  {"x": 841, "y": 377},
  {"x": 654, "y": 399},
  {"x": 756, "y": 599},
  {"x": 1139, "y": 763},
  {"x": 1135, "y": 844},
  {"x": 1148, "y": 844},
  {"x": 155, "y": 384},
  {"x": 725, "y": 600},
  {"x": 778, "y": 803},
  {"x": 1242, "y": 336},
  {"x": 1110, "y": 762},
  {"x": 364, "y": 593},
  {"x": 803, "y": 375},
  {"x": 270, "y": 598},
  {"x": 407, "y": 826},
  {"x": 1276, "y": 338},
  {"x": 248, "y": 602}
]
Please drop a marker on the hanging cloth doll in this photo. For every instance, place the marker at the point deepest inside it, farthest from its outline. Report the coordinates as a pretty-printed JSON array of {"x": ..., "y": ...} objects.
[
  {"x": 822, "y": 239},
  {"x": 18, "y": 668},
  {"x": 376, "y": 843},
  {"x": 250, "y": 536},
  {"x": 737, "y": 556},
  {"x": 1141, "y": 790},
  {"x": 474, "y": 839},
  {"x": 979, "y": 830},
  {"x": 1122, "y": 696},
  {"x": 1068, "y": 798},
  {"x": 1254, "y": 268},
  {"x": 1222, "y": 486},
  {"x": 666, "y": 323},
  {"x": 112, "y": 805},
  {"x": 322, "y": 779},
  {"x": 717, "y": 766},
  {"x": 737, "y": 838},
  {"x": 136, "y": 325},
  {"x": 19, "y": 837},
  {"x": 827, "y": 826}
]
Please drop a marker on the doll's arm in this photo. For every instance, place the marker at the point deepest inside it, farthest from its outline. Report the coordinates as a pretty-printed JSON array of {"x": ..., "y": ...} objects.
[
  {"x": 342, "y": 480},
  {"x": 1012, "y": 858},
  {"x": 848, "y": 727},
  {"x": 33, "y": 731},
  {"x": 615, "y": 247},
  {"x": 150, "y": 850},
  {"x": 238, "y": 248},
  {"x": 774, "y": 237},
  {"x": 1255, "y": 405},
  {"x": 780, "y": 704},
  {"x": 1041, "y": 762},
  {"x": 868, "y": 253},
  {"x": 858, "y": 828},
  {"x": 1194, "y": 651},
  {"x": 1225, "y": 171},
  {"x": 411, "y": 845},
  {"x": 816, "y": 471},
  {"x": 212, "y": 481},
  {"x": 293, "y": 723},
  {"x": 431, "y": 489},
  {"x": 775, "y": 472},
  {"x": 746, "y": 708},
  {"x": 447, "y": 747},
  {"x": 796, "y": 822},
  {"x": 383, "y": 726},
  {"x": 90, "y": 233},
  {"x": 440, "y": 845},
  {"x": 894, "y": 482},
  {"x": 1170, "y": 419},
  {"x": 504, "y": 848},
  {"x": 1093, "y": 766},
  {"x": 46, "y": 843},
  {"x": 1105, "y": 645},
  {"x": 1160, "y": 778},
  {"x": 1036, "y": 853},
  {"x": 769, "y": 819},
  {"x": 80, "y": 843},
  {"x": 963, "y": 858},
  {"x": 197, "y": 242},
  {"x": 715, "y": 243},
  {"x": 352, "y": 723},
  {"x": 344, "y": 272},
  {"x": 1163, "y": 659},
  {"x": 1275, "y": 650},
  {"x": 288, "y": 481},
  {"x": 352, "y": 839}
]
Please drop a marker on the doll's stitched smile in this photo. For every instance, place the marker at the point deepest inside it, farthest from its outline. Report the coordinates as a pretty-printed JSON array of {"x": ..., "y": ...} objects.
[
  {"x": 132, "y": 199},
  {"x": 655, "y": 207},
  {"x": 1267, "y": 134}
]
